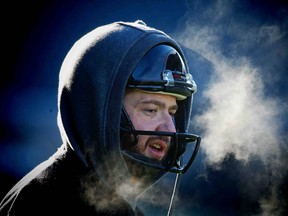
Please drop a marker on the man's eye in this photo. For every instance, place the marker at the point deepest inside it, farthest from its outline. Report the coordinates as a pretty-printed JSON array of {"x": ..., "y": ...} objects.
[
  {"x": 172, "y": 114},
  {"x": 150, "y": 111}
]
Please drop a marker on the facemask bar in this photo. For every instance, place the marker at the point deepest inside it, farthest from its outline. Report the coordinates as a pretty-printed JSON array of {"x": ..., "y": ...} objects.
[{"x": 173, "y": 161}]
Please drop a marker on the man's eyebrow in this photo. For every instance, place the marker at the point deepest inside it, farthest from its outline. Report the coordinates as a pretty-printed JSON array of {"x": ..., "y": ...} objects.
[{"x": 160, "y": 104}]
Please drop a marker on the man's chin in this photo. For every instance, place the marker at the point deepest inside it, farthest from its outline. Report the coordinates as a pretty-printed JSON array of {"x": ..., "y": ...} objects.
[{"x": 144, "y": 174}]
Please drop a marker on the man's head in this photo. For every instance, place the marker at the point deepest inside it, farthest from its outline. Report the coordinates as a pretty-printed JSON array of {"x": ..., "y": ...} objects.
[
  {"x": 153, "y": 130},
  {"x": 131, "y": 59}
]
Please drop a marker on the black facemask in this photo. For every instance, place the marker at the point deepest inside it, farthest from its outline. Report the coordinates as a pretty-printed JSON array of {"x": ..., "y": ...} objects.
[{"x": 182, "y": 151}]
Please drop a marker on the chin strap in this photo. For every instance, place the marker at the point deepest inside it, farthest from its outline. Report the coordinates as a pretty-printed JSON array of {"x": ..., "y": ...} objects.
[{"x": 172, "y": 205}]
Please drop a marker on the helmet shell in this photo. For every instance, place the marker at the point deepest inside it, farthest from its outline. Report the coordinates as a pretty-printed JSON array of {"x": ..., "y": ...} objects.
[{"x": 163, "y": 71}]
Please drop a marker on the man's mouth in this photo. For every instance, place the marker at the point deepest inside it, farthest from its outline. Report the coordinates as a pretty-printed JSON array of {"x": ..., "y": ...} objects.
[
  {"x": 157, "y": 150},
  {"x": 156, "y": 146}
]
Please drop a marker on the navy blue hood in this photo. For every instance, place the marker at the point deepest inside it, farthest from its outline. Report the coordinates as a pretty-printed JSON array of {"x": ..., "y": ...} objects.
[{"x": 92, "y": 82}]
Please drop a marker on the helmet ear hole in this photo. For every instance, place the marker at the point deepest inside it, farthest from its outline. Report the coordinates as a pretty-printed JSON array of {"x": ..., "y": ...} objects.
[
  {"x": 127, "y": 139},
  {"x": 126, "y": 123},
  {"x": 182, "y": 115}
]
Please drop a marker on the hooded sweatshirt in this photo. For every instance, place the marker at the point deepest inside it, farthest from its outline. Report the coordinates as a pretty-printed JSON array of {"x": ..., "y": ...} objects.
[{"x": 88, "y": 174}]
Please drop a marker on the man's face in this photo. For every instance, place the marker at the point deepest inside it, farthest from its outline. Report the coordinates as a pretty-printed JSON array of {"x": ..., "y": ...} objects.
[{"x": 151, "y": 112}]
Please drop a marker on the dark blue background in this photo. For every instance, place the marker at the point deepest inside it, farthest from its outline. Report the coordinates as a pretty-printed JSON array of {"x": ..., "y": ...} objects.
[{"x": 36, "y": 35}]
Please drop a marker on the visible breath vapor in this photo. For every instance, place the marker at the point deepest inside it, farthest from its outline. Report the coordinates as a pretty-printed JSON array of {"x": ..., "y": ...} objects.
[
  {"x": 110, "y": 195},
  {"x": 240, "y": 119}
]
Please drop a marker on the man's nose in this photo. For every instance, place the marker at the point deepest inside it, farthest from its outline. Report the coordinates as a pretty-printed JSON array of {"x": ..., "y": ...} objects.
[{"x": 166, "y": 124}]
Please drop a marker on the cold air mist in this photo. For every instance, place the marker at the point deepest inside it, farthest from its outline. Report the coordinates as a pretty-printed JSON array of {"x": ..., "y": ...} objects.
[{"x": 240, "y": 117}]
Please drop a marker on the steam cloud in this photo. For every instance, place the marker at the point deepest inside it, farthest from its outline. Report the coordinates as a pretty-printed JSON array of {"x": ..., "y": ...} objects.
[
  {"x": 241, "y": 119},
  {"x": 97, "y": 194}
]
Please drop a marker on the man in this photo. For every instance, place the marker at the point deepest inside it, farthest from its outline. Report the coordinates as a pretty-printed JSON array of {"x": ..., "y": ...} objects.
[{"x": 124, "y": 102}]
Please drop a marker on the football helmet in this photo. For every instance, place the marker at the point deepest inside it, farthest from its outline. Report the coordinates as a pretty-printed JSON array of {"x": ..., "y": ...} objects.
[{"x": 163, "y": 71}]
